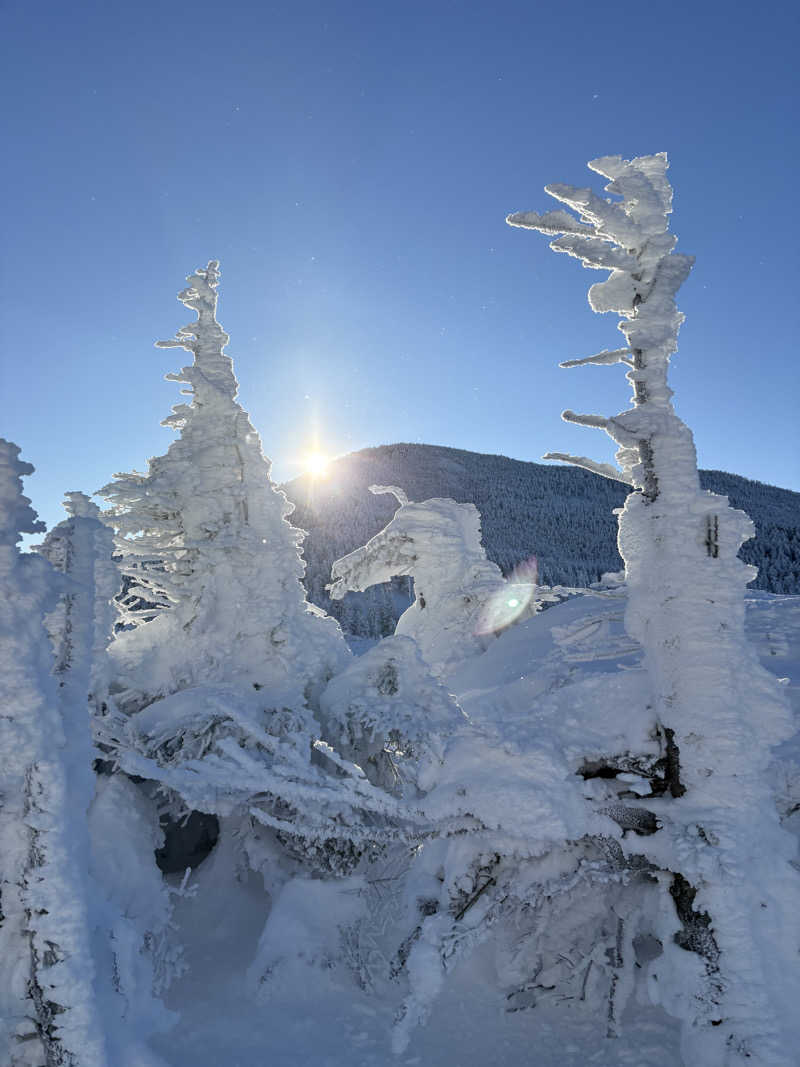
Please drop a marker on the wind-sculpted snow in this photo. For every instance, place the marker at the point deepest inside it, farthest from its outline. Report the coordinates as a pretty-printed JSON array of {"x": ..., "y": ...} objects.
[
  {"x": 500, "y": 829},
  {"x": 438, "y": 544},
  {"x": 137, "y": 954}
]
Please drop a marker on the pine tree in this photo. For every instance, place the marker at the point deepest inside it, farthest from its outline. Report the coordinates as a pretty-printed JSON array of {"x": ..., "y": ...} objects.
[
  {"x": 716, "y": 711},
  {"x": 216, "y": 698},
  {"x": 47, "y": 997},
  {"x": 81, "y": 547},
  {"x": 208, "y": 511}
]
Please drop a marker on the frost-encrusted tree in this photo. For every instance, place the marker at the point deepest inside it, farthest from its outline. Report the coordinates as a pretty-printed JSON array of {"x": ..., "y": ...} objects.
[
  {"x": 721, "y": 851},
  {"x": 81, "y": 547},
  {"x": 231, "y": 564},
  {"x": 48, "y": 1011},
  {"x": 216, "y": 698},
  {"x": 461, "y": 597}
]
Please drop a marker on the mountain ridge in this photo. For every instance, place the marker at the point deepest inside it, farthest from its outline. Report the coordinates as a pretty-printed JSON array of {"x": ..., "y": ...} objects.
[{"x": 561, "y": 515}]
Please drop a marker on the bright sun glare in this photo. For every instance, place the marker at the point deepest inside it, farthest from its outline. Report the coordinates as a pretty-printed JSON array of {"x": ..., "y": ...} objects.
[{"x": 316, "y": 464}]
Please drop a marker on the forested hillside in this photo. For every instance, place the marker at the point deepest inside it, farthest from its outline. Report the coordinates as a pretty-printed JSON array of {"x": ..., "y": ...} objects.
[{"x": 564, "y": 516}]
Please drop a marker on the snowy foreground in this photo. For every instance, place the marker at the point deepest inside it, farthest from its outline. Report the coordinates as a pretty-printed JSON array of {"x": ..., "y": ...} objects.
[{"x": 316, "y": 1013}]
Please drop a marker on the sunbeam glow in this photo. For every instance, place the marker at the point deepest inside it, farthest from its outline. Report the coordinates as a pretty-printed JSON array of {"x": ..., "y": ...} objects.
[{"x": 316, "y": 464}]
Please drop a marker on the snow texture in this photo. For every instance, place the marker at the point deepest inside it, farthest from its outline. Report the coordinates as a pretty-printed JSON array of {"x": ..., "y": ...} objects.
[{"x": 389, "y": 714}]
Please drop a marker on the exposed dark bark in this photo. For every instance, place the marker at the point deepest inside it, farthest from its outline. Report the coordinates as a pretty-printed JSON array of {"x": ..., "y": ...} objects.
[{"x": 696, "y": 933}]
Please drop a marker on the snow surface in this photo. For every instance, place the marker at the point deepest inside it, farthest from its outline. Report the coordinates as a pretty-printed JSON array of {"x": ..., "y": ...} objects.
[{"x": 536, "y": 690}]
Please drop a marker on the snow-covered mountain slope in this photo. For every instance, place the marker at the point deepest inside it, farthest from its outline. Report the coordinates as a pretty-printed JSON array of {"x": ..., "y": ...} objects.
[{"x": 561, "y": 515}]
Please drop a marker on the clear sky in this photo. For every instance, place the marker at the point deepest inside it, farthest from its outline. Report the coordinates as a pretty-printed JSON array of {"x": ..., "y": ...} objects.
[{"x": 351, "y": 164}]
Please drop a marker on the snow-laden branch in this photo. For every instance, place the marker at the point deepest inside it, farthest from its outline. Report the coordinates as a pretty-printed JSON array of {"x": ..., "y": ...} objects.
[
  {"x": 552, "y": 222},
  {"x": 600, "y": 422},
  {"x": 606, "y": 470},
  {"x": 604, "y": 358},
  {"x": 400, "y": 495}
]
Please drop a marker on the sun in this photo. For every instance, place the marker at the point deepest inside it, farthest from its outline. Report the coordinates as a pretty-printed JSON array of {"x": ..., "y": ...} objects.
[{"x": 316, "y": 464}]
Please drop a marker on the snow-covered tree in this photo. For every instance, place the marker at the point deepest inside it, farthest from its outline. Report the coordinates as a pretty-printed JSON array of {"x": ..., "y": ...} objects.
[
  {"x": 216, "y": 698},
  {"x": 130, "y": 919},
  {"x": 48, "y": 1011},
  {"x": 208, "y": 511},
  {"x": 720, "y": 849},
  {"x": 81, "y": 547},
  {"x": 461, "y": 598}
]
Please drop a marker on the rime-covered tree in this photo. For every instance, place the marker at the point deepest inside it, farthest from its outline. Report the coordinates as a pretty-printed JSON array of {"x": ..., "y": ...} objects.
[
  {"x": 216, "y": 698},
  {"x": 461, "y": 598},
  {"x": 116, "y": 827},
  {"x": 48, "y": 1012},
  {"x": 721, "y": 850},
  {"x": 231, "y": 564},
  {"x": 81, "y": 548}
]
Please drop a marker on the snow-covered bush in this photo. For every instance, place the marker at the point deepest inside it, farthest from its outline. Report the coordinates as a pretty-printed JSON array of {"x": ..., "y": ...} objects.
[
  {"x": 222, "y": 750},
  {"x": 461, "y": 599},
  {"x": 388, "y": 714},
  {"x": 715, "y": 710}
]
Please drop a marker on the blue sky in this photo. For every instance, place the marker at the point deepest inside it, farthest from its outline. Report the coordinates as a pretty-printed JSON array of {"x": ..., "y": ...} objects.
[{"x": 351, "y": 164}]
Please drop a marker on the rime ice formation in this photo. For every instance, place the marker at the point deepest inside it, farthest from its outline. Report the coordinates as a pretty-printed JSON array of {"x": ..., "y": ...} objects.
[
  {"x": 81, "y": 548},
  {"x": 717, "y": 711},
  {"x": 461, "y": 597},
  {"x": 215, "y": 699},
  {"x": 208, "y": 511},
  {"x": 47, "y": 1003},
  {"x": 388, "y": 714}
]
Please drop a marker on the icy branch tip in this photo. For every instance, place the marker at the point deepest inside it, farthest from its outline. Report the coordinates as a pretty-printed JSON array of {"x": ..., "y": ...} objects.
[
  {"x": 605, "y": 470},
  {"x": 80, "y": 506},
  {"x": 400, "y": 494},
  {"x": 210, "y": 275}
]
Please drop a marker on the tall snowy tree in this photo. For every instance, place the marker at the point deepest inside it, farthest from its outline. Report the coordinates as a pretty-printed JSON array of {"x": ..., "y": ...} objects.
[
  {"x": 48, "y": 1010},
  {"x": 208, "y": 511},
  {"x": 216, "y": 698},
  {"x": 81, "y": 547},
  {"x": 721, "y": 850}
]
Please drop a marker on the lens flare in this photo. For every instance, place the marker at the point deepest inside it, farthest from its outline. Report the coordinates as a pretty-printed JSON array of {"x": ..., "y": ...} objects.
[{"x": 512, "y": 601}]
